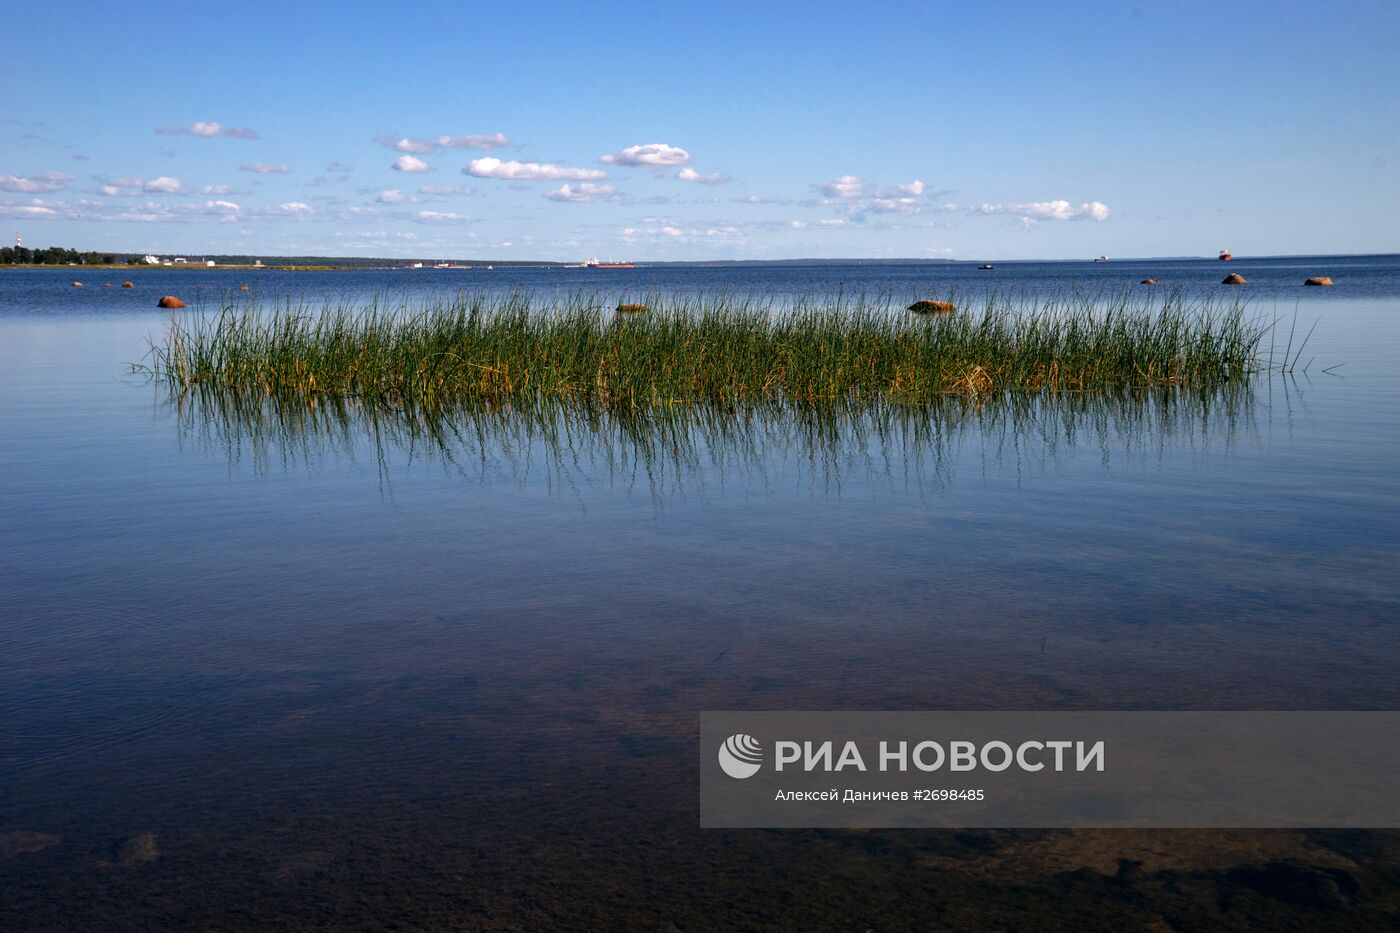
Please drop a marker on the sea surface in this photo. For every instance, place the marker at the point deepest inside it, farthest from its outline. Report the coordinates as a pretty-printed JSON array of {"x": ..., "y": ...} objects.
[{"x": 263, "y": 669}]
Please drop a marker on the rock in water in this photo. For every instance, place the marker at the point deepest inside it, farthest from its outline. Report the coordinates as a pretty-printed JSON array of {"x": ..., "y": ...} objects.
[
  {"x": 170, "y": 301},
  {"x": 76, "y": 284},
  {"x": 631, "y": 309},
  {"x": 1234, "y": 278},
  {"x": 1319, "y": 280},
  {"x": 932, "y": 307},
  {"x": 136, "y": 851},
  {"x": 242, "y": 288},
  {"x": 1148, "y": 282},
  {"x": 23, "y": 842},
  {"x": 127, "y": 285}
]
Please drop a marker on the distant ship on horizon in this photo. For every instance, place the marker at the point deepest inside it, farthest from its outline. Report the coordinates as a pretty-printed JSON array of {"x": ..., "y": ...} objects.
[
  {"x": 595, "y": 264},
  {"x": 1225, "y": 255}
]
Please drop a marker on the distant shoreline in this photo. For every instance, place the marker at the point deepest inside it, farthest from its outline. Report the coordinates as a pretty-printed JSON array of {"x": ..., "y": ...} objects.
[{"x": 358, "y": 264}]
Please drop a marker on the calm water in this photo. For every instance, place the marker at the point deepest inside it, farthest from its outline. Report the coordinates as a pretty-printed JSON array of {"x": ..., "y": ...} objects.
[{"x": 264, "y": 668}]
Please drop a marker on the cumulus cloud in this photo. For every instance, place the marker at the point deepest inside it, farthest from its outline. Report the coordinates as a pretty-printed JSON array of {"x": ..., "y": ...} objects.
[
  {"x": 217, "y": 190},
  {"x": 446, "y": 191},
  {"x": 263, "y": 168},
  {"x": 391, "y": 196},
  {"x": 292, "y": 209},
  {"x": 207, "y": 128},
  {"x": 845, "y": 188},
  {"x": 408, "y": 163},
  {"x": 912, "y": 190},
  {"x": 439, "y": 217},
  {"x": 129, "y": 187},
  {"x": 649, "y": 154},
  {"x": 713, "y": 178},
  {"x": 163, "y": 185},
  {"x": 491, "y": 167},
  {"x": 580, "y": 193},
  {"x": 35, "y": 184},
  {"x": 339, "y": 168},
  {"x": 487, "y": 141},
  {"x": 35, "y": 208},
  {"x": 1048, "y": 210}
]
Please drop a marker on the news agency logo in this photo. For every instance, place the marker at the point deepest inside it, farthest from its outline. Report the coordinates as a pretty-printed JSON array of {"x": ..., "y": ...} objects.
[{"x": 740, "y": 756}]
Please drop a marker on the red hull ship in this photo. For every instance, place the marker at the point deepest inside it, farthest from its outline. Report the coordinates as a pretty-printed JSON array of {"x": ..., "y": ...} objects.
[{"x": 1225, "y": 255}]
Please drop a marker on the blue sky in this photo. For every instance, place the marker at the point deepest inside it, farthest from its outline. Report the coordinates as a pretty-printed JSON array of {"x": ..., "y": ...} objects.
[{"x": 705, "y": 131}]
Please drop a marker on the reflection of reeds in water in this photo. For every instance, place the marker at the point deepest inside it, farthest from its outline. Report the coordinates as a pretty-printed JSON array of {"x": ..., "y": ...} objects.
[
  {"x": 681, "y": 449},
  {"x": 725, "y": 351}
]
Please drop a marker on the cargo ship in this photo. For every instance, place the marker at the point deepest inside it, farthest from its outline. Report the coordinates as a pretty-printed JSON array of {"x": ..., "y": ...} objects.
[
  {"x": 1225, "y": 255},
  {"x": 595, "y": 264}
]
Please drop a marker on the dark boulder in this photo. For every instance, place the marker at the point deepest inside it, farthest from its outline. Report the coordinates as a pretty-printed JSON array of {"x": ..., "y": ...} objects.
[
  {"x": 170, "y": 301},
  {"x": 932, "y": 307}
]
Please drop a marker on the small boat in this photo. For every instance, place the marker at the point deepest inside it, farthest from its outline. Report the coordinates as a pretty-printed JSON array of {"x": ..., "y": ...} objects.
[
  {"x": 1101, "y": 259},
  {"x": 986, "y": 265},
  {"x": 1225, "y": 255}
]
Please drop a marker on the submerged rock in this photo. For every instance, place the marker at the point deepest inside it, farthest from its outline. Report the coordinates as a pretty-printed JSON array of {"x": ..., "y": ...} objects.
[
  {"x": 631, "y": 309},
  {"x": 1296, "y": 882},
  {"x": 1319, "y": 280},
  {"x": 127, "y": 285},
  {"x": 1148, "y": 282},
  {"x": 242, "y": 288},
  {"x": 76, "y": 284},
  {"x": 170, "y": 301},
  {"x": 137, "y": 850},
  {"x": 932, "y": 307},
  {"x": 23, "y": 842},
  {"x": 1234, "y": 278}
]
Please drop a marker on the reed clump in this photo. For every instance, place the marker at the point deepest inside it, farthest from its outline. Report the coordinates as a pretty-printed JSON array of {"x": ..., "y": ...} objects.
[{"x": 505, "y": 350}]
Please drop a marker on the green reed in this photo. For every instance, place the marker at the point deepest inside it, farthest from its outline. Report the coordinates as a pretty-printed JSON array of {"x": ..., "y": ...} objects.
[{"x": 506, "y": 350}]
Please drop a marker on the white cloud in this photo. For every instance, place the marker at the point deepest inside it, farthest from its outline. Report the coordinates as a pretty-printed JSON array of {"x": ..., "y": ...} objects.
[
  {"x": 223, "y": 208},
  {"x": 391, "y": 196},
  {"x": 408, "y": 144},
  {"x": 911, "y": 190},
  {"x": 217, "y": 190},
  {"x": 845, "y": 188},
  {"x": 35, "y": 208},
  {"x": 263, "y": 168},
  {"x": 130, "y": 187},
  {"x": 581, "y": 193},
  {"x": 439, "y": 217},
  {"x": 488, "y": 141},
  {"x": 339, "y": 168},
  {"x": 713, "y": 178},
  {"x": 1049, "y": 210},
  {"x": 649, "y": 154},
  {"x": 408, "y": 163},
  {"x": 446, "y": 190},
  {"x": 35, "y": 184},
  {"x": 163, "y": 185},
  {"x": 491, "y": 167},
  {"x": 292, "y": 209},
  {"x": 208, "y": 128}
]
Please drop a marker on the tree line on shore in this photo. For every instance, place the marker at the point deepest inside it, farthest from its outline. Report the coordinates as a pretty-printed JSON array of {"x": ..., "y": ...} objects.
[{"x": 57, "y": 256}]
